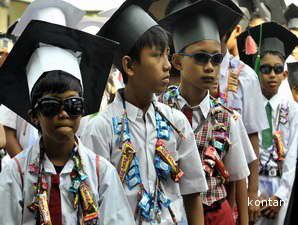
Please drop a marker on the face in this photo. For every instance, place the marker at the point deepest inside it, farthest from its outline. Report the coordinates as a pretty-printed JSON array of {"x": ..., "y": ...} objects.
[
  {"x": 270, "y": 81},
  {"x": 62, "y": 126},
  {"x": 152, "y": 72},
  {"x": 295, "y": 93},
  {"x": 199, "y": 75}
]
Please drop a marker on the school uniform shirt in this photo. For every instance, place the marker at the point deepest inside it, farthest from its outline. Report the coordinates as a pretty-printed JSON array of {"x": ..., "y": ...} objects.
[
  {"x": 100, "y": 137},
  {"x": 280, "y": 186},
  {"x": 27, "y": 135},
  {"x": 247, "y": 98},
  {"x": 105, "y": 187},
  {"x": 234, "y": 159}
]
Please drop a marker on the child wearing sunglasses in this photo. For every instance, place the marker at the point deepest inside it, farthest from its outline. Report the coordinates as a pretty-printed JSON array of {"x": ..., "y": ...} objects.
[
  {"x": 220, "y": 135},
  {"x": 278, "y": 144},
  {"x": 151, "y": 145},
  {"x": 58, "y": 180}
]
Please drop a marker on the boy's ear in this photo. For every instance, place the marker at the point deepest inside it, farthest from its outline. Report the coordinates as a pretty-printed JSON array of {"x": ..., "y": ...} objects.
[
  {"x": 286, "y": 74},
  {"x": 237, "y": 30},
  {"x": 176, "y": 61},
  {"x": 33, "y": 116},
  {"x": 128, "y": 65}
]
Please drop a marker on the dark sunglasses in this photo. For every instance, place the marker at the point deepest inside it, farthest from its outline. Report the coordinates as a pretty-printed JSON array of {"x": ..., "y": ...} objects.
[
  {"x": 202, "y": 58},
  {"x": 267, "y": 69},
  {"x": 51, "y": 106}
]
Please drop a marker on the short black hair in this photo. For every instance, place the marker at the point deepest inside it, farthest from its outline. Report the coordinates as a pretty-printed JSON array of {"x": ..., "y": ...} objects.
[
  {"x": 156, "y": 36},
  {"x": 273, "y": 53},
  {"x": 55, "y": 81}
]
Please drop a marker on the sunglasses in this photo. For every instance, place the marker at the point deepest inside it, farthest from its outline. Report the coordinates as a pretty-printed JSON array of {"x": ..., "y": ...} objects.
[
  {"x": 267, "y": 69},
  {"x": 51, "y": 106},
  {"x": 202, "y": 58}
]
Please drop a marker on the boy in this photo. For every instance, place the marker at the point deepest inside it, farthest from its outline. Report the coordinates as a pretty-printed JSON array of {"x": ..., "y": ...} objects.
[
  {"x": 19, "y": 133},
  {"x": 293, "y": 79},
  {"x": 58, "y": 180},
  {"x": 152, "y": 146},
  {"x": 219, "y": 135},
  {"x": 278, "y": 144}
]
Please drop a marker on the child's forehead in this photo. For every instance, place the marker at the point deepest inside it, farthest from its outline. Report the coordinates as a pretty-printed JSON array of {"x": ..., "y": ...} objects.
[
  {"x": 209, "y": 46},
  {"x": 63, "y": 95}
]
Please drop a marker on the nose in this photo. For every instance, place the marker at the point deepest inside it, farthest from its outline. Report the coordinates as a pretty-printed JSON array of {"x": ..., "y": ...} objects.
[
  {"x": 63, "y": 114},
  {"x": 167, "y": 64},
  {"x": 209, "y": 67}
]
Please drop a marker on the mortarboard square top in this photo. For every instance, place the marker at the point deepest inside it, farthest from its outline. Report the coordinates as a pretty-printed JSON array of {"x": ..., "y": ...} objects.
[
  {"x": 192, "y": 21},
  {"x": 94, "y": 62},
  {"x": 270, "y": 36},
  {"x": 128, "y": 23}
]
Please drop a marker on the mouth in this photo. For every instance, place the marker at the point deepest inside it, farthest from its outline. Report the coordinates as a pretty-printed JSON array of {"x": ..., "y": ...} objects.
[
  {"x": 208, "y": 79},
  {"x": 272, "y": 83},
  {"x": 166, "y": 79}
]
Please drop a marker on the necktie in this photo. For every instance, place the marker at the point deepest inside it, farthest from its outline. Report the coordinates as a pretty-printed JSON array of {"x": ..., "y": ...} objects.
[
  {"x": 188, "y": 113},
  {"x": 55, "y": 201},
  {"x": 267, "y": 133}
]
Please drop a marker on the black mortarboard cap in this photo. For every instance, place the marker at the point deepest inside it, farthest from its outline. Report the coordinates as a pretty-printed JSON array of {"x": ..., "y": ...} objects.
[
  {"x": 291, "y": 15},
  {"x": 268, "y": 36},
  {"x": 293, "y": 74},
  {"x": 193, "y": 21},
  {"x": 127, "y": 25},
  {"x": 94, "y": 62}
]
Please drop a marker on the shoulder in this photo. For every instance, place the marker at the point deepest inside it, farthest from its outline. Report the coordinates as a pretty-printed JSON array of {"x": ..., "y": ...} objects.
[{"x": 101, "y": 121}]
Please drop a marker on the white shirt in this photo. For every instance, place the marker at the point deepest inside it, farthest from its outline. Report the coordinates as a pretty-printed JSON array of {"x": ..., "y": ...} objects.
[
  {"x": 100, "y": 137},
  {"x": 107, "y": 190},
  {"x": 234, "y": 160},
  {"x": 247, "y": 98},
  {"x": 26, "y": 133},
  {"x": 290, "y": 140}
]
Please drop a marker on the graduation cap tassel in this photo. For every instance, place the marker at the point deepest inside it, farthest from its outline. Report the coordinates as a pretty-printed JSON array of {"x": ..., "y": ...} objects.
[{"x": 250, "y": 46}]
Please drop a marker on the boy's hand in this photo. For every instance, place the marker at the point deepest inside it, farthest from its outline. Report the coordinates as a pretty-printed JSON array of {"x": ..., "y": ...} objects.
[
  {"x": 271, "y": 209},
  {"x": 253, "y": 210}
]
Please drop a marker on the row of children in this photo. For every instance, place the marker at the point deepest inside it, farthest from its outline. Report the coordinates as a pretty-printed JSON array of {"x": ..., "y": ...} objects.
[{"x": 191, "y": 153}]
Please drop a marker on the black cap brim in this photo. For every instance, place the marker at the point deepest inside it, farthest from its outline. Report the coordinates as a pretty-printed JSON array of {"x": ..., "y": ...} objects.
[{"x": 96, "y": 60}]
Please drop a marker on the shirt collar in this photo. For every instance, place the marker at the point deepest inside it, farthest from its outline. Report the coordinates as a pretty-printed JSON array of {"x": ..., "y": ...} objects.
[
  {"x": 49, "y": 166},
  {"x": 133, "y": 111},
  {"x": 274, "y": 102},
  {"x": 204, "y": 106}
]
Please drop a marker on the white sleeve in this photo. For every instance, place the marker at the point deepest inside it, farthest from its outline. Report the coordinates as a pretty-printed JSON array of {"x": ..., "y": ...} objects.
[
  {"x": 7, "y": 117},
  {"x": 234, "y": 160},
  {"x": 97, "y": 136},
  {"x": 289, "y": 166},
  {"x": 194, "y": 180},
  {"x": 114, "y": 206},
  {"x": 254, "y": 121},
  {"x": 245, "y": 143},
  {"x": 10, "y": 195}
]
